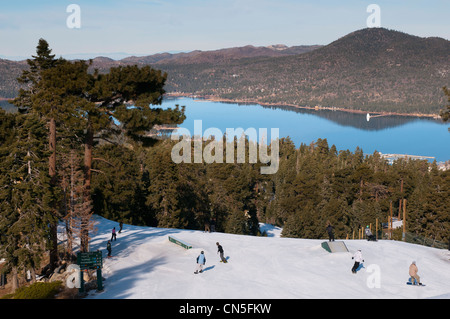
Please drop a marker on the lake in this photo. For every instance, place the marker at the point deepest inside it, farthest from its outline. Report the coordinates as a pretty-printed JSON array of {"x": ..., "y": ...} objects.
[{"x": 386, "y": 134}]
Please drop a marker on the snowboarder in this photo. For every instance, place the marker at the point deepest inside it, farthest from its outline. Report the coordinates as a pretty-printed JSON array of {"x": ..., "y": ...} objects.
[
  {"x": 113, "y": 234},
  {"x": 358, "y": 259},
  {"x": 369, "y": 234},
  {"x": 108, "y": 247},
  {"x": 413, "y": 273},
  {"x": 220, "y": 250},
  {"x": 330, "y": 232},
  {"x": 201, "y": 260},
  {"x": 120, "y": 226}
]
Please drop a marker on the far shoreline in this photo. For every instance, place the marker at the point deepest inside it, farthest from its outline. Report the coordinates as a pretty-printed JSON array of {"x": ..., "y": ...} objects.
[{"x": 212, "y": 98}]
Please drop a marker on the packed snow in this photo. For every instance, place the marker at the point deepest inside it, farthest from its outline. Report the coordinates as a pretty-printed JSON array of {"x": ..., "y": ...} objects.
[{"x": 146, "y": 265}]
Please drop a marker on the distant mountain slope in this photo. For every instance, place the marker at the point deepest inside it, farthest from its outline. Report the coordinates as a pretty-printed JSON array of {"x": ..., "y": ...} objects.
[
  {"x": 370, "y": 69},
  {"x": 10, "y": 70},
  {"x": 215, "y": 56},
  {"x": 375, "y": 69}
]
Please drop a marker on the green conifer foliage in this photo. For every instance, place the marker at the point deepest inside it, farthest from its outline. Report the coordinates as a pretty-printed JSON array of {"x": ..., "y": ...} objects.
[{"x": 26, "y": 195}]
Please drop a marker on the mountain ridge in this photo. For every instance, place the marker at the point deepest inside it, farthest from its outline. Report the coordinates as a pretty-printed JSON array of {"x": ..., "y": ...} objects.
[
  {"x": 372, "y": 69},
  {"x": 375, "y": 69}
]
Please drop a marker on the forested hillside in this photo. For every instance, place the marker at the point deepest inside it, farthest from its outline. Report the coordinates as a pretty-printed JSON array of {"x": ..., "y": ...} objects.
[
  {"x": 315, "y": 184},
  {"x": 370, "y": 69},
  {"x": 77, "y": 147},
  {"x": 374, "y": 69}
]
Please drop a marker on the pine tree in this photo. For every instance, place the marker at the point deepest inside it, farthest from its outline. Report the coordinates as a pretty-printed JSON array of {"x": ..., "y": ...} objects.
[
  {"x": 94, "y": 101},
  {"x": 26, "y": 196},
  {"x": 26, "y": 101}
]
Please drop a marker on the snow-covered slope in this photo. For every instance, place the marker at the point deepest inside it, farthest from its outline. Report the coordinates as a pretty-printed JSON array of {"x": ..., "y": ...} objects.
[{"x": 147, "y": 265}]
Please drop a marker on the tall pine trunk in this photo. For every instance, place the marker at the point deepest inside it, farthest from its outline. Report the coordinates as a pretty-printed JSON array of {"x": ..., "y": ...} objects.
[
  {"x": 53, "y": 181},
  {"x": 14, "y": 279},
  {"x": 85, "y": 218}
]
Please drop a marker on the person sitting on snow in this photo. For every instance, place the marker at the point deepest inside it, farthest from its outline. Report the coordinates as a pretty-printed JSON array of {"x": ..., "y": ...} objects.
[
  {"x": 369, "y": 234},
  {"x": 358, "y": 259}
]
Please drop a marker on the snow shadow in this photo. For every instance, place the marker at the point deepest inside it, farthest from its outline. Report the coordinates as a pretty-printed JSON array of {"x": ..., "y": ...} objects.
[
  {"x": 120, "y": 284},
  {"x": 209, "y": 268}
]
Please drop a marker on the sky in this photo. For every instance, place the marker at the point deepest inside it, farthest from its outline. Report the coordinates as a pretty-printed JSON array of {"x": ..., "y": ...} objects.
[{"x": 119, "y": 28}]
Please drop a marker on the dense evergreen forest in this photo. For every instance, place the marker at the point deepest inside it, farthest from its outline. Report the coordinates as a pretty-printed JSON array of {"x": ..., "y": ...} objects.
[
  {"x": 315, "y": 184},
  {"x": 76, "y": 149}
]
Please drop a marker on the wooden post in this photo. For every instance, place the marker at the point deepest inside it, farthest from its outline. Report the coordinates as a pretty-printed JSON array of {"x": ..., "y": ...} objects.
[
  {"x": 376, "y": 228},
  {"x": 389, "y": 227},
  {"x": 404, "y": 220},
  {"x": 390, "y": 220}
]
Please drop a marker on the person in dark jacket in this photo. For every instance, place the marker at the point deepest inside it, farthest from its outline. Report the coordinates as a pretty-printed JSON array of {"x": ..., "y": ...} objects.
[
  {"x": 330, "y": 232},
  {"x": 108, "y": 247},
  {"x": 220, "y": 250}
]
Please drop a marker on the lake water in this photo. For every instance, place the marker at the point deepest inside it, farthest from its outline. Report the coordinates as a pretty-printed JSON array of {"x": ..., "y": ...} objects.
[{"x": 387, "y": 134}]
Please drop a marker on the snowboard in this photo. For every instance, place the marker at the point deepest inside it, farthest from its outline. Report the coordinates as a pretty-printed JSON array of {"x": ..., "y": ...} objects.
[
  {"x": 410, "y": 284},
  {"x": 361, "y": 266},
  {"x": 413, "y": 284}
]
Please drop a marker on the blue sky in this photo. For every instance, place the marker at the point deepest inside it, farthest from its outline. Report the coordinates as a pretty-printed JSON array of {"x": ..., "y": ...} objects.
[{"x": 143, "y": 27}]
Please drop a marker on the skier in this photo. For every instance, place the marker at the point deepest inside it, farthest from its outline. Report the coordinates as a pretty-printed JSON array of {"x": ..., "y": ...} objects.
[
  {"x": 113, "y": 234},
  {"x": 358, "y": 259},
  {"x": 369, "y": 234},
  {"x": 220, "y": 250},
  {"x": 120, "y": 226},
  {"x": 330, "y": 232},
  {"x": 413, "y": 273},
  {"x": 201, "y": 260},
  {"x": 108, "y": 247}
]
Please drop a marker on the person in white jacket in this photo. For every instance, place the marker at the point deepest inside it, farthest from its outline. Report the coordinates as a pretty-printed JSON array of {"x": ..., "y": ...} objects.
[{"x": 358, "y": 259}]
